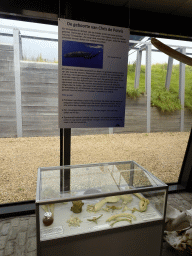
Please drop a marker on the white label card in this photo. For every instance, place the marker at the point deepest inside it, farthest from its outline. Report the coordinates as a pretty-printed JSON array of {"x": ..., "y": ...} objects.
[{"x": 51, "y": 232}]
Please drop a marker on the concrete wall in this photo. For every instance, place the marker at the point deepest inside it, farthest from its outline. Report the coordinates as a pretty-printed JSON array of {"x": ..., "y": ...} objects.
[
  {"x": 39, "y": 101},
  {"x": 7, "y": 92}
]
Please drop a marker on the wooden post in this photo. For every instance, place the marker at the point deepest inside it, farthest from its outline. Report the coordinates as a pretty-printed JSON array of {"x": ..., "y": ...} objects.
[{"x": 17, "y": 53}]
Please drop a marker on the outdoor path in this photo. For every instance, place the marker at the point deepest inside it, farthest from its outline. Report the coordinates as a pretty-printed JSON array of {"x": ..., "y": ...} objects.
[{"x": 18, "y": 234}]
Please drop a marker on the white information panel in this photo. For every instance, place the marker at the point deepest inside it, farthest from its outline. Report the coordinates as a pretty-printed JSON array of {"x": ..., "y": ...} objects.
[{"x": 92, "y": 74}]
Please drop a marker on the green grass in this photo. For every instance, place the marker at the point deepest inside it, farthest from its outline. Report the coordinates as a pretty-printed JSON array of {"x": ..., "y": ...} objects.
[
  {"x": 166, "y": 101},
  {"x": 39, "y": 58}
]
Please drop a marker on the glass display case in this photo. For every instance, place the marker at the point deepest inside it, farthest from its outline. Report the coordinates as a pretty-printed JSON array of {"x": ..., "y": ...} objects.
[{"x": 84, "y": 206}]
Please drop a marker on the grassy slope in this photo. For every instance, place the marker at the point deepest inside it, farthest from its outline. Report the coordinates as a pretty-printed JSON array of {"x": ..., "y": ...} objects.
[{"x": 160, "y": 97}]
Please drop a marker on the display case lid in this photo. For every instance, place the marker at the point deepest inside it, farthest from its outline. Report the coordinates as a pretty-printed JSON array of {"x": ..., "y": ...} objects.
[{"x": 74, "y": 182}]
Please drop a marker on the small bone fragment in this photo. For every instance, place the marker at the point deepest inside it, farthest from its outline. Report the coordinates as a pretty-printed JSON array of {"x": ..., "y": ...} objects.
[
  {"x": 184, "y": 239},
  {"x": 90, "y": 208},
  {"x": 121, "y": 215},
  {"x": 138, "y": 195},
  {"x": 141, "y": 197},
  {"x": 189, "y": 242},
  {"x": 143, "y": 204},
  {"x": 74, "y": 221},
  {"x": 125, "y": 209},
  {"x": 124, "y": 219},
  {"x": 112, "y": 199},
  {"x": 48, "y": 208},
  {"x": 77, "y": 206},
  {"x": 182, "y": 217},
  {"x": 94, "y": 219},
  {"x": 45, "y": 208},
  {"x": 99, "y": 205},
  {"x": 180, "y": 240},
  {"x": 178, "y": 223},
  {"x": 111, "y": 207},
  {"x": 126, "y": 198},
  {"x": 52, "y": 206},
  {"x": 189, "y": 233},
  {"x": 171, "y": 213}
]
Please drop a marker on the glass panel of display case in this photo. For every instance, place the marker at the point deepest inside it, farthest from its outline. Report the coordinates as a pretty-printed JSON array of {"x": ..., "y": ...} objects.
[
  {"x": 101, "y": 178},
  {"x": 135, "y": 176},
  {"x": 90, "y": 215}
]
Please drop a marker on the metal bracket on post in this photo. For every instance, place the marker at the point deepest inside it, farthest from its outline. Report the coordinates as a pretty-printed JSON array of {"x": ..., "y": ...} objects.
[
  {"x": 65, "y": 156},
  {"x": 148, "y": 85},
  {"x": 182, "y": 89},
  {"x": 17, "y": 54},
  {"x": 20, "y": 48},
  {"x": 61, "y": 160}
]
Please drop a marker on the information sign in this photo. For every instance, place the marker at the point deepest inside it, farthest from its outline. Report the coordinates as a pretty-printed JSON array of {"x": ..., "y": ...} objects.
[{"x": 92, "y": 74}]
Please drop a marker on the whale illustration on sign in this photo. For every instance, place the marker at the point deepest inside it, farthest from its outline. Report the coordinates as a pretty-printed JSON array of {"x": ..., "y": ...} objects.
[{"x": 81, "y": 54}]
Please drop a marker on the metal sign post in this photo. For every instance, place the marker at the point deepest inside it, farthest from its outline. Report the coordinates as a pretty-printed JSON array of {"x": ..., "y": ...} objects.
[
  {"x": 65, "y": 134},
  {"x": 65, "y": 155}
]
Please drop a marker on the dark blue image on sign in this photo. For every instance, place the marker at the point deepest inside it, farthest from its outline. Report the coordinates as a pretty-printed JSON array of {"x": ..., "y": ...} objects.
[{"x": 79, "y": 54}]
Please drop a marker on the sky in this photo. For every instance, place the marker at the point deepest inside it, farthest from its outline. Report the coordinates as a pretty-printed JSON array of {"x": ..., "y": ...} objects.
[
  {"x": 49, "y": 50},
  {"x": 159, "y": 57},
  {"x": 30, "y": 47}
]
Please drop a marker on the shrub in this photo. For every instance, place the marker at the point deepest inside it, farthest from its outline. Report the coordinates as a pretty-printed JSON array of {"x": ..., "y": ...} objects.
[
  {"x": 165, "y": 100},
  {"x": 134, "y": 93}
]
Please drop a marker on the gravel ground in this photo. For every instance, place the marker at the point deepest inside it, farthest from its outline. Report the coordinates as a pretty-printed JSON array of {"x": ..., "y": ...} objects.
[{"x": 160, "y": 153}]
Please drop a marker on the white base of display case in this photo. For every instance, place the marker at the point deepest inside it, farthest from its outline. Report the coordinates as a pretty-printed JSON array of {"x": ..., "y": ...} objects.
[{"x": 145, "y": 241}]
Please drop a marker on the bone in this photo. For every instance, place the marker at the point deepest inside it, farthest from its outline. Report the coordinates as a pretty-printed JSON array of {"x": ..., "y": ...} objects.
[{"x": 179, "y": 223}]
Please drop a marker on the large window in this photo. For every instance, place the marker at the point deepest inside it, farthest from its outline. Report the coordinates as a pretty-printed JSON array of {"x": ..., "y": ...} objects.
[
  {"x": 30, "y": 139},
  {"x": 29, "y": 132}
]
